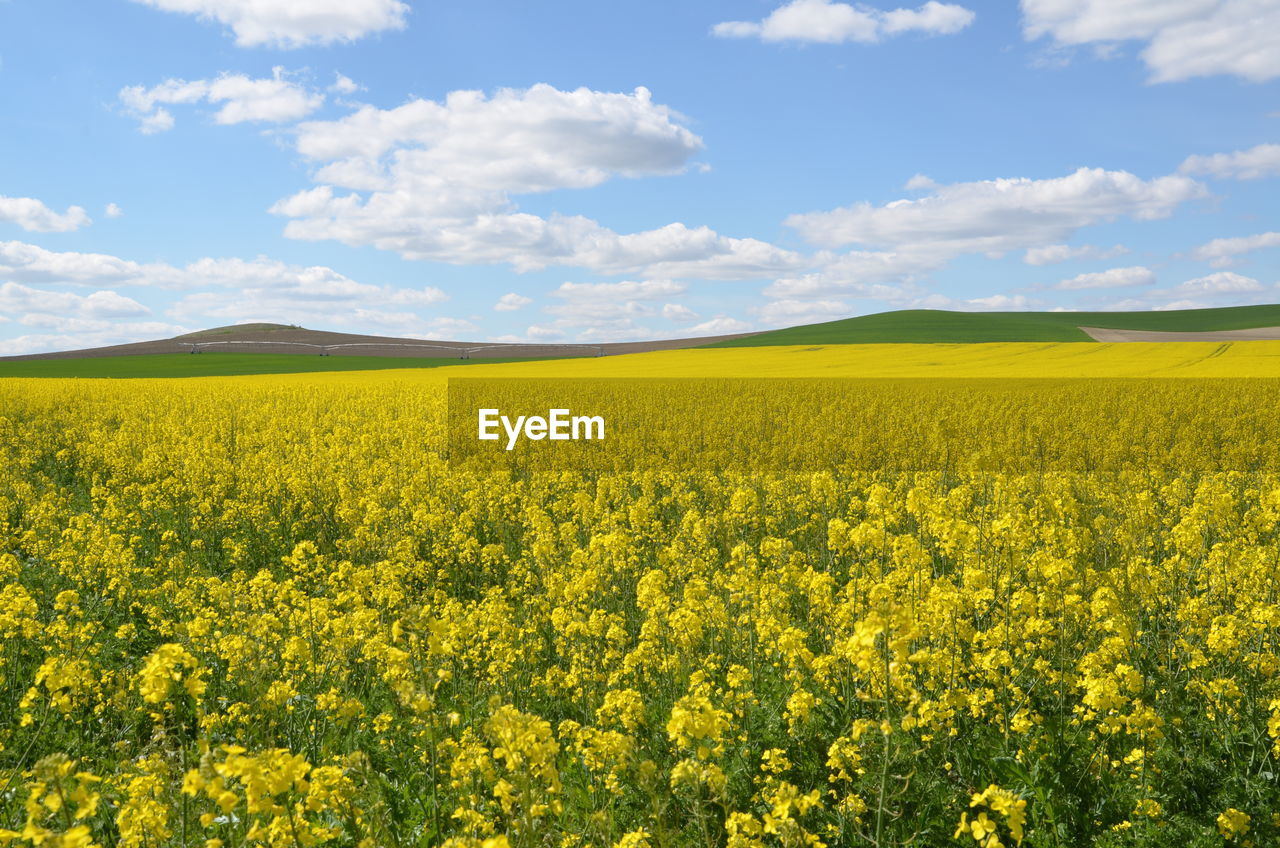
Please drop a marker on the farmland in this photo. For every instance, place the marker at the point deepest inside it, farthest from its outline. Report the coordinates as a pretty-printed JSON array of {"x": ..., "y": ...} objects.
[
  {"x": 268, "y": 610},
  {"x": 934, "y": 326},
  {"x": 211, "y": 365},
  {"x": 1009, "y": 359}
]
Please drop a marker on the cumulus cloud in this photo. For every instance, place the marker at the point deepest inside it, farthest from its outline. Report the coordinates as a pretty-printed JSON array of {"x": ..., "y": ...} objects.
[
  {"x": 33, "y": 216},
  {"x": 436, "y": 181},
  {"x": 1252, "y": 164},
  {"x": 614, "y": 311},
  {"x": 920, "y": 182},
  {"x": 283, "y": 306},
  {"x": 29, "y": 263},
  {"x": 16, "y": 299},
  {"x": 113, "y": 211},
  {"x": 343, "y": 84},
  {"x": 289, "y": 24},
  {"x": 678, "y": 313},
  {"x": 1223, "y": 251},
  {"x": 789, "y": 312},
  {"x": 1164, "y": 307},
  {"x": 1136, "y": 275},
  {"x": 1052, "y": 254},
  {"x": 1183, "y": 38},
  {"x": 721, "y": 325},
  {"x": 215, "y": 291},
  {"x": 1221, "y": 283},
  {"x": 623, "y": 291},
  {"x": 610, "y": 312},
  {"x": 886, "y": 276},
  {"x": 999, "y": 303},
  {"x": 1218, "y": 289},
  {"x": 827, "y": 22},
  {"x": 511, "y": 301},
  {"x": 230, "y": 289},
  {"x": 994, "y": 216},
  {"x": 517, "y": 141},
  {"x": 75, "y": 333},
  {"x": 274, "y": 100}
]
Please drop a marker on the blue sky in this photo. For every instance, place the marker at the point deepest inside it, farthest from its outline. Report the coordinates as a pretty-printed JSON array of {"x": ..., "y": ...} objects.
[{"x": 587, "y": 171}]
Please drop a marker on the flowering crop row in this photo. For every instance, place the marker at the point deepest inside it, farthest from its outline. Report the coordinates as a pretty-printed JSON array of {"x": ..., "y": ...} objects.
[{"x": 267, "y": 612}]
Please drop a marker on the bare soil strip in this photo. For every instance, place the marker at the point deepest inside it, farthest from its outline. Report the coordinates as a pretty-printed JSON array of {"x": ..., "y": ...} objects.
[{"x": 1257, "y": 334}]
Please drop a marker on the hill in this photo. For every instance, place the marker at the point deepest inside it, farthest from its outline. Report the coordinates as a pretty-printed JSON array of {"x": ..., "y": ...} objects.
[
  {"x": 222, "y": 365},
  {"x": 285, "y": 348},
  {"x": 933, "y": 326},
  {"x": 233, "y": 329}
]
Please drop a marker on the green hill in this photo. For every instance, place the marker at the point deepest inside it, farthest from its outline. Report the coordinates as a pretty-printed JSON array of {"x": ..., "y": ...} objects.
[
  {"x": 940, "y": 326},
  {"x": 219, "y": 365}
]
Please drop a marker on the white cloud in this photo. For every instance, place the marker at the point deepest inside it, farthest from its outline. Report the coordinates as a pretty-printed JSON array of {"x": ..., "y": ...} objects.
[
  {"x": 435, "y": 181},
  {"x": 611, "y": 310},
  {"x": 1170, "y": 307},
  {"x": 29, "y": 263},
  {"x": 882, "y": 275},
  {"x": 789, "y": 312},
  {"x": 678, "y": 313},
  {"x": 289, "y": 23},
  {"x": 1222, "y": 251},
  {"x": 544, "y": 333},
  {"x": 993, "y": 216},
  {"x": 343, "y": 84},
  {"x": 34, "y": 216},
  {"x": 68, "y": 333},
  {"x": 599, "y": 312},
  {"x": 261, "y": 273},
  {"x": 444, "y": 327},
  {"x": 511, "y": 301},
  {"x": 80, "y": 333},
  {"x": 290, "y": 307},
  {"x": 1184, "y": 38},
  {"x": 113, "y": 211},
  {"x": 1054, "y": 253},
  {"x": 1221, "y": 283},
  {"x": 625, "y": 290},
  {"x": 1000, "y": 303},
  {"x": 158, "y": 121},
  {"x": 516, "y": 141},
  {"x": 274, "y": 100},
  {"x": 1218, "y": 289},
  {"x": 920, "y": 183},
  {"x": 1252, "y": 164},
  {"x": 1112, "y": 278},
  {"x": 720, "y": 326},
  {"x": 828, "y": 22},
  {"x": 218, "y": 291},
  {"x": 19, "y": 299}
]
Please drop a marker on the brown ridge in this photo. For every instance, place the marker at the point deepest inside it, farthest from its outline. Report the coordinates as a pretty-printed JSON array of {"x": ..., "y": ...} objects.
[{"x": 278, "y": 338}]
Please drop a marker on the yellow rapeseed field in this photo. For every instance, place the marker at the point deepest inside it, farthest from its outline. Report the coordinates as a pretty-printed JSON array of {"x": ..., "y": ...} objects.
[
  {"x": 268, "y": 611},
  {"x": 1009, "y": 359}
]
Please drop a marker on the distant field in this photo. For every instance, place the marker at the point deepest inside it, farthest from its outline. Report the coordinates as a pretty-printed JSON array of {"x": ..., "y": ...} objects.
[
  {"x": 215, "y": 365},
  {"x": 932, "y": 326},
  {"x": 1020, "y": 360}
]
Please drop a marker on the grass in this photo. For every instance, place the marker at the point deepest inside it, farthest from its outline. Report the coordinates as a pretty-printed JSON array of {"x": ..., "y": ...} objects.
[
  {"x": 217, "y": 365},
  {"x": 938, "y": 326}
]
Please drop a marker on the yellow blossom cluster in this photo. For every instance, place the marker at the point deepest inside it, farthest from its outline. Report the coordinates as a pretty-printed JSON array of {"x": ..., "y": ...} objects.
[{"x": 270, "y": 612}]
